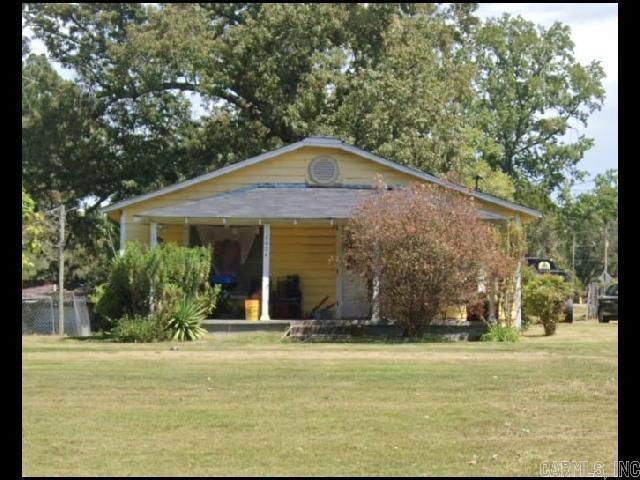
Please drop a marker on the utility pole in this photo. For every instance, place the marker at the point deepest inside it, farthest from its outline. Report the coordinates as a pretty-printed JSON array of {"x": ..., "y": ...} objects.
[
  {"x": 606, "y": 249},
  {"x": 62, "y": 220},
  {"x": 573, "y": 253}
]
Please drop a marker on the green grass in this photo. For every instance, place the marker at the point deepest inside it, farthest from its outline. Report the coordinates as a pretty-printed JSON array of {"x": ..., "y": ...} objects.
[{"x": 256, "y": 405}]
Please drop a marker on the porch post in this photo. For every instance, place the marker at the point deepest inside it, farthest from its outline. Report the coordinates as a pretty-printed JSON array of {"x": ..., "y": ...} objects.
[
  {"x": 186, "y": 233},
  {"x": 153, "y": 243},
  {"x": 153, "y": 235},
  {"x": 518, "y": 290},
  {"x": 339, "y": 267},
  {"x": 493, "y": 302},
  {"x": 123, "y": 232},
  {"x": 375, "y": 300},
  {"x": 266, "y": 270}
]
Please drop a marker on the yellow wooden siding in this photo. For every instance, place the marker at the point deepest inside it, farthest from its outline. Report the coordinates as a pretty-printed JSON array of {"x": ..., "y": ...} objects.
[
  {"x": 458, "y": 312},
  {"x": 306, "y": 251},
  {"x": 141, "y": 232},
  {"x": 287, "y": 168},
  {"x": 137, "y": 232},
  {"x": 172, "y": 233}
]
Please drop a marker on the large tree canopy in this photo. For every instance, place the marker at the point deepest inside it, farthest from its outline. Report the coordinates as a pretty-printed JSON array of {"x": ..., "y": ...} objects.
[
  {"x": 382, "y": 76},
  {"x": 530, "y": 92}
]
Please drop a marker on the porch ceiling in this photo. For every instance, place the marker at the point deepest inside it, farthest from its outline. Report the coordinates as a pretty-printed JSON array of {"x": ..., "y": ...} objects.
[{"x": 290, "y": 202}]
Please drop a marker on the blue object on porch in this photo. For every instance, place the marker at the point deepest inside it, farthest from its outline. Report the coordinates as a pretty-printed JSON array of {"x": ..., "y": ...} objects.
[{"x": 222, "y": 279}]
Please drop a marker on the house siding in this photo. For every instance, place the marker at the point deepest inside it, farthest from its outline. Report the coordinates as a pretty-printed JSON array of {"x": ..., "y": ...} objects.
[{"x": 308, "y": 252}]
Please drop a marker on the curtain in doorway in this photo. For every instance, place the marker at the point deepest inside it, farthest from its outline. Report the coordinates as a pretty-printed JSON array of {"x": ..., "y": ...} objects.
[{"x": 231, "y": 246}]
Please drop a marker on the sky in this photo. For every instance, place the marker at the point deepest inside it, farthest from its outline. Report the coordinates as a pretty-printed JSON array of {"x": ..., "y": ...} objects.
[{"x": 594, "y": 28}]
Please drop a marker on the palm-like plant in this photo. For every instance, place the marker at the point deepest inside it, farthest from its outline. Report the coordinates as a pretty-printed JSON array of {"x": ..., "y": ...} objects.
[{"x": 184, "y": 322}]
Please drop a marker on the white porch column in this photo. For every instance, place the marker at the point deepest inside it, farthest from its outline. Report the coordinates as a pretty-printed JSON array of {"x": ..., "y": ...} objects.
[
  {"x": 517, "y": 301},
  {"x": 153, "y": 235},
  {"x": 493, "y": 313},
  {"x": 153, "y": 243},
  {"x": 339, "y": 267},
  {"x": 375, "y": 297},
  {"x": 266, "y": 270},
  {"x": 185, "y": 233},
  {"x": 123, "y": 231},
  {"x": 518, "y": 290}
]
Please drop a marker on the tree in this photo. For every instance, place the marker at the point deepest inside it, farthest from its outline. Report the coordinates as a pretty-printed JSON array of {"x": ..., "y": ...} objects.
[
  {"x": 266, "y": 75},
  {"x": 544, "y": 296},
  {"x": 405, "y": 102},
  {"x": 428, "y": 247},
  {"x": 530, "y": 92},
  {"x": 32, "y": 232},
  {"x": 64, "y": 153},
  {"x": 100, "y": 134},
  {"x": 588, "y": 217}
]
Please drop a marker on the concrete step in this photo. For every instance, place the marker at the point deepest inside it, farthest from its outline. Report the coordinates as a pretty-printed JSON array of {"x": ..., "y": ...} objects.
[{"x": 238, "y": 326}]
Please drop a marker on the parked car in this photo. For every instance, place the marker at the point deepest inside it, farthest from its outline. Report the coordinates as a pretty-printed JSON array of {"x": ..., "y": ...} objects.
[
  {"x": 547, "y": 265},
  {"x": 608, "y": 304}
]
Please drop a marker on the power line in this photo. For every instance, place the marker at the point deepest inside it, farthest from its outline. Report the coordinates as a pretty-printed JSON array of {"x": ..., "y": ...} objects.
[{"x": 583, "y": 183}]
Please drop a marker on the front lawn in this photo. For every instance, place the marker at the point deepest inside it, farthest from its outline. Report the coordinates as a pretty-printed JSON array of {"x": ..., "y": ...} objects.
[{"x": 254, "y": 405}]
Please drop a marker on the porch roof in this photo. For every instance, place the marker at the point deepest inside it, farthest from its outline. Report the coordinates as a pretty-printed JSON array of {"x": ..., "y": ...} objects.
[{"x": 273, "y": 201}]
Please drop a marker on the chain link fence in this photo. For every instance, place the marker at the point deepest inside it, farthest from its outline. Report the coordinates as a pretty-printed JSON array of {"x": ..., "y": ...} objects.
[{"x": 40, "y": 315}]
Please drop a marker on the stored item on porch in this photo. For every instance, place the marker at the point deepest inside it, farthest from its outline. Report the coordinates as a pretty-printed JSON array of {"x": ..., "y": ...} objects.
[
  {"x": 287, "y": 299},
  {"x": 252, "y": 310},
  {"x": 321, "y": 314}
]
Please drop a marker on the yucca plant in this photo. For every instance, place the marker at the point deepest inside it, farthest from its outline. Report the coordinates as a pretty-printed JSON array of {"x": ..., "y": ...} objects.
[{"x": 184, "y": 322}]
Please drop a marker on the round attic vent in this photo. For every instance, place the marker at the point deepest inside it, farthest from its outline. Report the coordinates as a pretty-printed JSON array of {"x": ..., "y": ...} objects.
[{"x": 323, "y": 170}]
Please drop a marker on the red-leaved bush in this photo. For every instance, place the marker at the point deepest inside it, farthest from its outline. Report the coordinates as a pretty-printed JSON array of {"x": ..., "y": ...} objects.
[{"x": 430, "y": 247}]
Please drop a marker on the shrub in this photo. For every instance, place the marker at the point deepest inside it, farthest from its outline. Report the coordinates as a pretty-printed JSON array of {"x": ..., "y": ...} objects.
[
  {"x": 428, "y": 245},
  {"x": 185, "y": 319},
  {"x": 544, "y": 297},
  {"x": 142, "y": 279},
  {"x": 500, "y": 333},
  {"x": 127, "y": 292},
  {"x": 139, "y": 329}
]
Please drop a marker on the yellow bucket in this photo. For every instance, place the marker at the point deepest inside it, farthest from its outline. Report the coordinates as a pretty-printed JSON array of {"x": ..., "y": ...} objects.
[{"x": 252, "y": 310}]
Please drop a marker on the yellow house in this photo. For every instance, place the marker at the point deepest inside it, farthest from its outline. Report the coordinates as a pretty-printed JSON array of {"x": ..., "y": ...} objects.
[{"x": 279, "y": 215}]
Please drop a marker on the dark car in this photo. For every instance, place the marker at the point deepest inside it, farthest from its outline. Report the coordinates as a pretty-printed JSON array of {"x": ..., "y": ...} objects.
[
  {"x": 547, "y": 265},
  {"x": 608, "y": 304}
]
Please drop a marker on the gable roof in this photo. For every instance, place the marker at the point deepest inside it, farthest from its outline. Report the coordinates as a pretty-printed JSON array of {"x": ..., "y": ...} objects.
[{"x": 330, "y": 142}]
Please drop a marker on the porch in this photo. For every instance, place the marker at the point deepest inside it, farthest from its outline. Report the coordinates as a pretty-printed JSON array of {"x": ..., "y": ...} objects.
[
  {"x": 281, "y": 245},
  {"x": 310, "y": 330}
]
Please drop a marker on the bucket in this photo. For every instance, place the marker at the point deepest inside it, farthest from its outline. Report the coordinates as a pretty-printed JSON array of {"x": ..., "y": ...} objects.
[{"x": 252, "y": 310}]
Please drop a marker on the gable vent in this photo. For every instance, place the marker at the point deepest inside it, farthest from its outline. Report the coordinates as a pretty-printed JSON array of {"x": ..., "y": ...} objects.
[{"x": 323, "y": 170}]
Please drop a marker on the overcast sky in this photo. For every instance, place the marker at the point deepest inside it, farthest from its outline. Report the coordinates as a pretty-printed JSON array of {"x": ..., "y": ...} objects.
[{"x": 594, "y": 29}]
